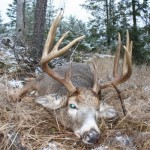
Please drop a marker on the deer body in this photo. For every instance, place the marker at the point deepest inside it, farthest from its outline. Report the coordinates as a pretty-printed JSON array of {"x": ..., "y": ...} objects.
[
  {"x": 81, "y": 76},
  {"x": 71, "y": 92}
]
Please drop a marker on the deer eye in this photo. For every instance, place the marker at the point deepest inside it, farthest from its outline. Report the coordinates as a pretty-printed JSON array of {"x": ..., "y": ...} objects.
[{"x": 73, "y": 106}]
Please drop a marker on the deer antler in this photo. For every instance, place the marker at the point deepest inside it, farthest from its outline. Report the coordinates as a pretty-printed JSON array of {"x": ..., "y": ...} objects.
[
  {"x": 48, "y": 56},
  {"x": 127, "y": 66}
]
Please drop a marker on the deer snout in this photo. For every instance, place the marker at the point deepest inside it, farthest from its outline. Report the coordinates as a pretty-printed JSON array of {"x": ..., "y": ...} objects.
[{"x": 91, "y": 137}]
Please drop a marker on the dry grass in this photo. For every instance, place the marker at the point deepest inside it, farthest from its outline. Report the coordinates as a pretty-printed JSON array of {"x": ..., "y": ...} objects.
[{"x": 25, "y": 125}]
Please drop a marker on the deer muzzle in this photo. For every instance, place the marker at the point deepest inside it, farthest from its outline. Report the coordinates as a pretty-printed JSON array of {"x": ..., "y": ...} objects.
[
  {"x": 91, "y": 137},
  {"x": 89, "y": 132}
]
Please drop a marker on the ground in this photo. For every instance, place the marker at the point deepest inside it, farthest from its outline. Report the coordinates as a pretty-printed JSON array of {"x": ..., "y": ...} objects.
[{"x": 26, "y": 125}]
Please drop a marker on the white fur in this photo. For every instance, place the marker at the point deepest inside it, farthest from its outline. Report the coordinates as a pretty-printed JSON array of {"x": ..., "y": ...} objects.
[
  {"x": 107, "y": 111},
  {"x": 88, "y": 124},
  {"x": 51, "y": 101}
]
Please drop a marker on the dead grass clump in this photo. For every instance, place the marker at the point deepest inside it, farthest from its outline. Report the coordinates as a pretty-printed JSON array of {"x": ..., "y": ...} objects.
[{"x": 136, "y": 96}]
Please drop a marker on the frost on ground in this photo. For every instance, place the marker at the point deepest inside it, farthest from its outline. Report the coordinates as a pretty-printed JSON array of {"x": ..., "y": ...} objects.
[
  {"x": 102, "y": 147},
  {"x": 54, "y": 146},
  {"x": 15, "y": 83},
  {"x": 13, "y": 55}
]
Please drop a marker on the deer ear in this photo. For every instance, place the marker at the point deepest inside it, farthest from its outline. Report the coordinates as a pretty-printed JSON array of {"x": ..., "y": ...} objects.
[
  {"x": 51, "y": 101},
  {"x": 107, "y": 112}
]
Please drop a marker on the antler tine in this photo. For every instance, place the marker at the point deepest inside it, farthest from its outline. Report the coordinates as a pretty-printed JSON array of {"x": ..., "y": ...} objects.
[
  {"x": 48, "y": 56},
  {"x": 68, "y": 75},
  {"x": 51, "y": 34},
  {"x": 117, "y": 56},
  {"x": 127, "y": 60},
  {"x": 127, "y": 65},
  {"x": 57, "y": 52},
  {"x": 127, "y": 46},
  {"x": 96, "y": 86}
]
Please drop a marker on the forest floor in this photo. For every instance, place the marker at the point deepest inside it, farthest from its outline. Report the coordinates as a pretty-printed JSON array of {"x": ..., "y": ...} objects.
[{"x": 27, "y": 126}]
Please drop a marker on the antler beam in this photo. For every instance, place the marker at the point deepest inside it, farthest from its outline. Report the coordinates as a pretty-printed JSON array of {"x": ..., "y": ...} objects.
[
  {"x": 49, "y": 54},
  {"x": 127, "y": 66}
]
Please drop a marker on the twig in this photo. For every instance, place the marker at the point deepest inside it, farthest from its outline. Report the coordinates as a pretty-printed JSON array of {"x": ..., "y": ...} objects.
[
  {"x": 74, "y": 50},
  {"x": 57, "y": 121},
  {"x": 120, "y": 97}
]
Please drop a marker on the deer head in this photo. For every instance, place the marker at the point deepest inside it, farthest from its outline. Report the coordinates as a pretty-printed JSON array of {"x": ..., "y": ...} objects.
[{"x": 81, "y": 108}]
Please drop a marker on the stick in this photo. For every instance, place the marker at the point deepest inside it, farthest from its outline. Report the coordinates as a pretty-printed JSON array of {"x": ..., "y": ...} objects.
[{"x": 120, "y": 97}]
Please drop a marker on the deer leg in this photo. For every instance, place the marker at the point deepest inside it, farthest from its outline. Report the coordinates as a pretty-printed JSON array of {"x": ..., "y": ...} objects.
[{"x": 18, "y": 94}]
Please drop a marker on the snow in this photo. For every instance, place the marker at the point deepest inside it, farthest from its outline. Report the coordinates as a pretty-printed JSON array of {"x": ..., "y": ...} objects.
[
  {"x": 53, "y": 146},
  {"x": 102, "y": 147},
  {"x": 104, "y": 56},
  {"x": 15, "y": 83}
]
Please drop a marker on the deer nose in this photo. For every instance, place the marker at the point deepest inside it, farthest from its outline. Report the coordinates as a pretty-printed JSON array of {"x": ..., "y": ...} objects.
[{"x": 91, "y": 137}]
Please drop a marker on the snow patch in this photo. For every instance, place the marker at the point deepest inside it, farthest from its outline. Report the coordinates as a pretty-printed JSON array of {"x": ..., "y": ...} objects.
[
  {"x": 104, "y": 56},
  {"x": 146, "y": 88},
  {"x": 102, "y": 147},
  {"x": 16, "y": 83},
  {"x": 53, "y": 146}
]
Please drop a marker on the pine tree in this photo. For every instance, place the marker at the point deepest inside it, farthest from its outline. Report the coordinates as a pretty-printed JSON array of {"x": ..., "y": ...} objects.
[
  {"x": 139, "y": 52},
  {"x": 50, "y": 14},
  {"x": 102, "y": 25},
  {"x": 76, "y": 28},
  {"x": 2, "y": 26},
  {"x": 29, "y": 20},
  {"x": 112, "y": 16},
  {"x": 11, "y": 13}
]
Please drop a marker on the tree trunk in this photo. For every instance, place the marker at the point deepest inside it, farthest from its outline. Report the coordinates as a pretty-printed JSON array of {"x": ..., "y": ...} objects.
[
  {"x": 39, "y": 28},
  {"x": 20, "y": 22},
  {"x": 134, "y": 13},
  {"x": 107, "y": 23},
  {"x": 146, "y": 16}
]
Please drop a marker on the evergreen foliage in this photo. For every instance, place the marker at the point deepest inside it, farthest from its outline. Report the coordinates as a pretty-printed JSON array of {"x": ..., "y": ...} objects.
[
  {"x": 29, "y": 20},
  {"x": 111, "y": 16},
  {"x": 2, "y": 26},
  {"x": 76, "y": 28},
  {"x": 11, "y": 13},
  {"x": 108, "y": 17}
]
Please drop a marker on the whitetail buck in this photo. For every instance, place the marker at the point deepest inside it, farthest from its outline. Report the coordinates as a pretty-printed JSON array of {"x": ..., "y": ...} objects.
[{"x": 73, "y": 93}]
